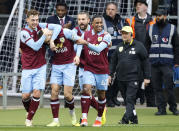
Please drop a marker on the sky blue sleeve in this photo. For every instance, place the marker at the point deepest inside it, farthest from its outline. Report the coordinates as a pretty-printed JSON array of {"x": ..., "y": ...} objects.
[
  {"x": 27, "y": 39},
  {"x": 79, "y": 49},
  {"x": 82, "y": 36},
  {"x": 75, "y": 45},
  {"x": 75, "y": 30},
  {"x": 56, "y": 29},
  {"x": 71, "y": 35},
  {"x": 43, "y": 25},
  {"x": 105, "y": 42},
  {"x": 107, "y": 38},
  {"x": 97, "y": 48}
]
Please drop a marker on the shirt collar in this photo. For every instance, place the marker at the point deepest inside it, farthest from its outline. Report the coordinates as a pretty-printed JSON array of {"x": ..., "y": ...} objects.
[
  {"x": 142, "y": 18},
  {"x": 93, "y": 33},
  {"x": 27, "y": 27},
  {"x": 62, "y": 18}
]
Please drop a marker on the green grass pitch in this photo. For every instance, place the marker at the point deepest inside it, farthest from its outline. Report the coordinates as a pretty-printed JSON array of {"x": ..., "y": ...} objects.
[{"x": 13, "y": 120}]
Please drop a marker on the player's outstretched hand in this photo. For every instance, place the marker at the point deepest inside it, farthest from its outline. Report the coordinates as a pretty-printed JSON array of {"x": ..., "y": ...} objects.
[
  {"x": 109, "y": 80},
  {"x": 76, "y": 60},
  {"x": 46, "y": 32},
  {"x": 146, "y": 82}
]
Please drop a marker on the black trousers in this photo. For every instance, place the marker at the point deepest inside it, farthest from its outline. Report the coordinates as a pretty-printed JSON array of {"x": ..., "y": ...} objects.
[
  {"x": 130, "y": 89},
  {"x": 149, "y": 95},
  {"x": 163, "y": 74},
  {"x": 112, "y": 91}
]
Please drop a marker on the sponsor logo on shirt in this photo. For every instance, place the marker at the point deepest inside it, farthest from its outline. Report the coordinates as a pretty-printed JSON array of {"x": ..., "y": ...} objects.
[
  {"x": 62, "y": 50},
  {"x": 93, "y": 52}
]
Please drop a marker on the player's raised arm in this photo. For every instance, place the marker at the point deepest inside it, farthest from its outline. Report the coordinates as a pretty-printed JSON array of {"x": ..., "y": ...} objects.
[
  {"x": 70, "y": 34},
  {"x": 102, "y": 45},
  {"x": 27, "y": 39},
  {"x": 105, "y": 43},
  {"x": 56, "y": 29},
  {"x": 103, "y": 37}
]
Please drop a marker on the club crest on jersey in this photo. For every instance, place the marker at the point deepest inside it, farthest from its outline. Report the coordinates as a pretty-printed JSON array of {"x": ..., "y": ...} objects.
[
  {"x": 120, "y": 49},
  {"x": 62, "y": 39},
  {"x": 60, "y": 45},
  {"x": 165, "y": 40},
  {"x": 100, "y": 39}
]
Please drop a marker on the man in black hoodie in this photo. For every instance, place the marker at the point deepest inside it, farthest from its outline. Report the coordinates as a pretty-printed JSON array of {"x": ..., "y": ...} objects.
[
  {"x": 113, "y": 23},
  {"x": 140, "y": 23}
]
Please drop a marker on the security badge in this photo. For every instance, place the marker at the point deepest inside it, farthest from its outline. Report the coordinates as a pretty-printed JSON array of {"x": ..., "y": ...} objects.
[
  {"x": 62, "y": 40},
  {"x": 100, "y": 39}
]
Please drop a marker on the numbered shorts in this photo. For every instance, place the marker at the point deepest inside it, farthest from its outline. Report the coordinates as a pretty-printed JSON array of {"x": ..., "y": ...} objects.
[
  {"x": 98, "y": 80},
  {"x": 33, "y": 79},
  {"x": 63, "y": 74}
]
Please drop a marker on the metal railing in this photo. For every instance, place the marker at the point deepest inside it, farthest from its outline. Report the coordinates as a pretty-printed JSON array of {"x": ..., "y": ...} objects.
[{"x": 5, "y": 77}]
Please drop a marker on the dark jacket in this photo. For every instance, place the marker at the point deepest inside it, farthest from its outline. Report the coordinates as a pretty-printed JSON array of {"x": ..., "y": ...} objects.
[
  {"x": 130, "y": 61},
  {"x": 54, "y": 20},
  {"x": 117, "y": 19},
  {"x": 140, "y": 27},
  {"x": 113, "y": 27}
]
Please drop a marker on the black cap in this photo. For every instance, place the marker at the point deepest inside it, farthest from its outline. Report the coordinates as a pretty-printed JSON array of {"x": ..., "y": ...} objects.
[
  {"x": 141, "y": 1},
  {"x": 161, "y": 12}
]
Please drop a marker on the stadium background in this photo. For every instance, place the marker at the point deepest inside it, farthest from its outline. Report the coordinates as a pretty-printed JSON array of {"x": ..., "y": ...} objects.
[{"x": 10, "y": 96}]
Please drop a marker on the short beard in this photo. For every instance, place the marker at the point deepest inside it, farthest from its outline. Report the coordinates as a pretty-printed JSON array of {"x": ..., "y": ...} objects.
[
  {"x": 161, "y": 22},
  {"x": 85, "y": 27}
]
